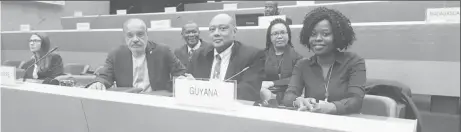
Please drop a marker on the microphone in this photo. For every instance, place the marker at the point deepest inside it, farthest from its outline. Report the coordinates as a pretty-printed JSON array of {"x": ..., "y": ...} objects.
[
  {"x": 129, "y": 8},
  {"x": 178, "y": 5},
  {"x": 243, "y": 70},
  {"x": 38, "y": 23},
  {"x": 24, "y": 76}
]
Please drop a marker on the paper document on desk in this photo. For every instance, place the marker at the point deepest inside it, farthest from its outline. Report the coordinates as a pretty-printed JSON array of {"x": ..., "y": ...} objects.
[
  {"x": 205, "y": 93},
  {"x": 264, "y": 21},
  {"x": 8, "y": 75},
  {"x": 160, "y": 24}
]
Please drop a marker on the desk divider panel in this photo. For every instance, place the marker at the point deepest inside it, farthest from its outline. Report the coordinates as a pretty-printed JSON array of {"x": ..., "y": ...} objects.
[
  {"x": 105, "y": 116},
  {"x": 28, "y": 111}
]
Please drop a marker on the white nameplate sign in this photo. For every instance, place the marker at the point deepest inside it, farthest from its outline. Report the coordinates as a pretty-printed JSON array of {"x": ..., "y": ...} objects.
[
  {"x": 121, "y": 12},
  {"x": 8, "y": 75},
  {"x": 170, "y": 9},
  {"x": 232, "y": 6},
  {"x": 206, "y": 93},
  {"x": 305, "y": 3},
  {"x": 436, "y": 15},
  {"x": 264, "y": 21},
  {"x": 160, "y": 24},
  {"x": 83, "y": 26},
  {"x": 78, "y": 13},
  {"x": 24, "y": 27}
]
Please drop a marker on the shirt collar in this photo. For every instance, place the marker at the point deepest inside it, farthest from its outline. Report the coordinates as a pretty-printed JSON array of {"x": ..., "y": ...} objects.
[
  {"x": 226, "y": 52},
  {"x": 339, "y": 58},
  {"x": 195, "y": 47}
]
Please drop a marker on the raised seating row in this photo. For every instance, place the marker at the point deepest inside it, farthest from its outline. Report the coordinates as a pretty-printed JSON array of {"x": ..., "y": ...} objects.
[
  {"x": 240, "y": 4},
  {"x": 361, "y": 11},
  {"x": 396, "y": 51}
]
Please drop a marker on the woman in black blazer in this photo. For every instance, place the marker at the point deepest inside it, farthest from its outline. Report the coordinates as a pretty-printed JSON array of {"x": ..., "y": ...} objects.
[
  {"x": 280, "y": 59},
  {"x": 50, "y": 67}
]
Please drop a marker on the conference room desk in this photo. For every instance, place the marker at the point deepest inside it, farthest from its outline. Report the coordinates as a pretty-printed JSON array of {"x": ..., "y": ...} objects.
[
  {"x": 49, "y": 108},
  {"x": 423, "y": 56},
  {"x": 356, "y": 11}
]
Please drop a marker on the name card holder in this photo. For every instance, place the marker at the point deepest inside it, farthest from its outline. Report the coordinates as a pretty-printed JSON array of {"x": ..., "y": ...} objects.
[
  {"x": 8, "y": 75},
  {"x": 83, "y": 26},
  {"x": 170, "y": 9},
  {"x": 213, "y": 94},
  {"x": 232, "y": 6},
  {"x": 264, "y": 21},
  {"x": 24, "y": 27},
  {"x": 121, "y": 12},
  {"x": 160, "y": 24},
  {"x": 442, "y": 15},
  {"x": 78, "y": 13}
]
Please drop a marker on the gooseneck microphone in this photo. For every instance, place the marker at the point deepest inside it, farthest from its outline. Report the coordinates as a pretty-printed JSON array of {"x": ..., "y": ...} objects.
[{"x": 48, "y": 53}]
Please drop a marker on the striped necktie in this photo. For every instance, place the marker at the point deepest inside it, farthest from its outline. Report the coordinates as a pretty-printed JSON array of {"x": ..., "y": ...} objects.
[{"x": 217, "y": 67}]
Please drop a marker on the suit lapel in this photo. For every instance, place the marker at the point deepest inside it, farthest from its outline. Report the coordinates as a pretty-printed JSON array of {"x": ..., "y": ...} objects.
[
  {"x": 233, "y": 62},
  {"x": 125, "y": 62},
  {"x": 150, "y": 59}
]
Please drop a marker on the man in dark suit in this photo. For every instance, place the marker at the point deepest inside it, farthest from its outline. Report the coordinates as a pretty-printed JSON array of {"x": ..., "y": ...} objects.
[
  {"x": 140, "y": 63},
  {"x": 229, "y": 59},
  {"x": 271, "y": 8},
  {"x": 191, "y": 34}
]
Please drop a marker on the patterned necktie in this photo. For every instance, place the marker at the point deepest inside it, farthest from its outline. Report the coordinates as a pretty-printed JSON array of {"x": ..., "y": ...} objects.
[
  {"x": 217, "y": 67},
  {"x": 190, "y": 54}
]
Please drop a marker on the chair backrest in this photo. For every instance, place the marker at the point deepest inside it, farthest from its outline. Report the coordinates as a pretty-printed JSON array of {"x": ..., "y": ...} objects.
[
  {"x": 12, "y": 63},
  {"x": 379, "y": 106},
  {"x": 76, "y": 69}
]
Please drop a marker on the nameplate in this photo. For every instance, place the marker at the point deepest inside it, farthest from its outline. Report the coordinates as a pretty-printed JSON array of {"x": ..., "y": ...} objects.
[
  {"x": 305, "y": 3},
  {"x": 121, "y": 12},
  {"x": 160, "y": 24},
  {"x": 437, "y": 15},
  {"x": 206, "y": 93},
  {"x": 24, "y": 27},
  {"x": 264, "y": 21},
  {"x": 78, "y": 13},
  {"x": 8, "y": 75},
  {"x": 83, "y": 26},
  {"x": 170, "y": 9},
  {"x": 232, "y": 6}
]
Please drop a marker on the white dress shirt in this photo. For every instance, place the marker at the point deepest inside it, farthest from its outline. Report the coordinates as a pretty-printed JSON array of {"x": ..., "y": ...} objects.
[
  {"x": 34, "y": 72},
  {"x": 225, "y": 58},
  {"x": 141, "y": 74},
  {"x": 195, "y": 48}
]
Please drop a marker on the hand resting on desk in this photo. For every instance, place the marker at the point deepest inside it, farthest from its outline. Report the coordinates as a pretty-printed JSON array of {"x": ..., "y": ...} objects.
[{"x": 97, "y": 86}]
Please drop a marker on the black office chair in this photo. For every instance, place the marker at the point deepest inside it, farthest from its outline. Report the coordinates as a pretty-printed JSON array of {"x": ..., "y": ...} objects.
[{"x": 13, "y": 63}]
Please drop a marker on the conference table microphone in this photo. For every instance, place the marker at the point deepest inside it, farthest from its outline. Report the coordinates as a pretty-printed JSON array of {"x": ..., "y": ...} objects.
[
  {"x": 243, "y": 70},
  {"x": 48, "y": 53}
]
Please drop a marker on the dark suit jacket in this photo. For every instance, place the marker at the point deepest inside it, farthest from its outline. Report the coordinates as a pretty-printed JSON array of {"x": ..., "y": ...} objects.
[
  {"x": 161, "y": 65},
  {"x": 290, "y": 57},
  {"x": 56, "y": 67},
  {"x": 183, "y": 53},
  {"x": 271, "y": 68},
  {"x": 248, "y": 82}
]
